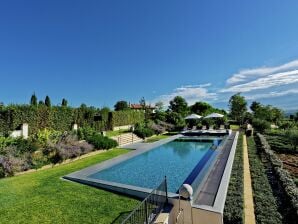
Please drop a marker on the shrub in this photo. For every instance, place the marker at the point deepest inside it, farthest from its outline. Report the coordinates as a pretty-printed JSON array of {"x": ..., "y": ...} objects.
[
  {"x": 142, "y": 131},
  {"x": 102, "y": 142},
  {"x": 85, "y": 133},
  {"x": 43, "y": 136},
  {"x": 233, "y": 211},
  {"x": 292, "y": 136},
  {"x": 266, "y": 209},
  {"x": 10, "y": 163},
  {"x": 283, "y": 176},
  {"x": 260, "y": 125}
]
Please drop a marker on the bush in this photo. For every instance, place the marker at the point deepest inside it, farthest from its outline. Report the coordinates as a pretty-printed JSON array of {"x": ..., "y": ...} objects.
[
  {"x": 283, "y": 176},
  {"x": 292, "y": 136},
  {"x": 266, "y": 209},
  {"x": 67, "y": 147},
  {"x": 10, "y": 163},
  {"x": 102, "y": 142},
  {"x": 233, "y": 211},
  {"x": 260, "y": 125},
  {"x": 142, "y": 131}
]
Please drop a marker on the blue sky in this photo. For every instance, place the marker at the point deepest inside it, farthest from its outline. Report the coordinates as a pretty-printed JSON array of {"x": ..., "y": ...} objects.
[{"x": 98, "y": 52}]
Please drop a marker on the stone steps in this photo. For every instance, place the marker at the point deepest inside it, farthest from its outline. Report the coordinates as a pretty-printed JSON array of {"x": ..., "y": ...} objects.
[{"x": 127, "y": 138}]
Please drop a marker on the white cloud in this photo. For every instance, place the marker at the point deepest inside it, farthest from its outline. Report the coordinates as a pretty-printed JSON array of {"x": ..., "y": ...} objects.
[
  {"x": 247, "y": 74},
  {"x": 191, "y": 93},
  {"x": 271, "y": 80},
  {"x": 272, "y": 94}
]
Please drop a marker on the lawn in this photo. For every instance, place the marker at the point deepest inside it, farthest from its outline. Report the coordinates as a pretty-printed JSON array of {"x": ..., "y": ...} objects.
[
  {"x": 156, "y": 138},
  {"x": 118, "y": 132},
  {"x": 43, "y": 197}
]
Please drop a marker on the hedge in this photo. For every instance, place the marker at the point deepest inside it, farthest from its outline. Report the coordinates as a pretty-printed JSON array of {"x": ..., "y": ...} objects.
[
  {"x": 233, "y": 212},
  {"x": 283, "y": 176},
  {"x": 126, "y": 117},
  {"x": 62, "y": 118},
  {"x": 265, "y": 204}
]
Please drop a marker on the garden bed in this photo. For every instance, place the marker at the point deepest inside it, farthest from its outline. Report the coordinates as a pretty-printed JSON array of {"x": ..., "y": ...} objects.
[{"x": 233, "y": 212}]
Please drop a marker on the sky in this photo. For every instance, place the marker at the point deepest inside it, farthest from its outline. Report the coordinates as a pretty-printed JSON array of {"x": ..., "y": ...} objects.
[{"x": 100, "y": 51}]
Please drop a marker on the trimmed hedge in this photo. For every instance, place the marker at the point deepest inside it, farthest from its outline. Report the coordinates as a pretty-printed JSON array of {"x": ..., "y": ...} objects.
[
  {"x": 126, "y": 117},
  {"x": 266, "y": 209},
  {"x": 284, "y": 177},
  {"x": 233, "y": 212},
  {"x": 62, "y": 118}
]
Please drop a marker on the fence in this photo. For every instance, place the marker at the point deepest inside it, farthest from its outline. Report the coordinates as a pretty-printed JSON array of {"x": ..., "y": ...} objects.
[{"x": 150, "y": 207}]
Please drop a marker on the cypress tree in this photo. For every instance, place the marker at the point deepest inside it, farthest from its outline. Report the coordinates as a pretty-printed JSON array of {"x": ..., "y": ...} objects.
[
  {"x": 47, "y": 101},
  {"x": 64, "y": 102},
  {"x": 33, "y": 100}
]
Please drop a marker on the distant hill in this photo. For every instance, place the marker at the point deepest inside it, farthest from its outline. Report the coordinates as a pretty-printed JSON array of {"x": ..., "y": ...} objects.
[{"x": 289, "y": 112}]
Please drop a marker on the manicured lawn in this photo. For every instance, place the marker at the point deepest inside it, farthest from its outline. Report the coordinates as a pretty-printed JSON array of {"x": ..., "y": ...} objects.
[{"x": 42, "y": 197}]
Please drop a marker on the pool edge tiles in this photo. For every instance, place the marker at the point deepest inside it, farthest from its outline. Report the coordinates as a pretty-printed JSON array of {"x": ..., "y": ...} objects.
[{"x": 83, "y": 176}]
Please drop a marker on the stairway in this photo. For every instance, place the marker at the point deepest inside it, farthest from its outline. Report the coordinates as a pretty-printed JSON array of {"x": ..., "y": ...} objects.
[{"x": 127, "y": 138}]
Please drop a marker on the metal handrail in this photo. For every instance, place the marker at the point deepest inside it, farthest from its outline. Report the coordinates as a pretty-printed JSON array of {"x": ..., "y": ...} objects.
[{"x": 150, "y": 207}]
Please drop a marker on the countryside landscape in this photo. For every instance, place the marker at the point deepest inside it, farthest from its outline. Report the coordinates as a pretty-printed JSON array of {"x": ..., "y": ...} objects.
[{"x": 157, "y": 112}]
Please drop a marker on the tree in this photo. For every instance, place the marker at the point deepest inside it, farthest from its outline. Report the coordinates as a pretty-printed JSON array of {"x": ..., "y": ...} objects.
[
  {"x": 64, "y": 102},
  {"x": 33, "y": 100},
  {"x": 254, "y": 106},
  {"x": 201, "y": 108},
  {"x": 121, "y": 105},
  {"x": 159, "y": 106},
  {"x": 237, "y": 104},
  {"x": 40, "y": 102},
  {"x": 143, "y": 103},
  {"x": 47, "y": 101},
  {"x": 179, "y": 105}
]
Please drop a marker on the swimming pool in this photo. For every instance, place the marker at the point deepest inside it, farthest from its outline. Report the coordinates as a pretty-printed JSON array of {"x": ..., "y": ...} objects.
[{"x": 181, "y": 161}]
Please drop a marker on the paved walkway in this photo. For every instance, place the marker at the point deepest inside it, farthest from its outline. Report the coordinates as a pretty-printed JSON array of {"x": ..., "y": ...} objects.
[{"x": 249, "y": 214}]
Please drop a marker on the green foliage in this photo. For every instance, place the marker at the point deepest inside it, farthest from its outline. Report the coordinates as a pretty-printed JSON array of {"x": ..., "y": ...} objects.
[
  {"x": 266, "y": 209},
  {"x": 64, "y": 102},
  {"x": 179, "y": 105},
  {"x": 292, "y": 136},
  {"x": 284, "y": 178},
  {"x": 102, "y": 142},
  {"x": 121, "y": 105},
  {"x": 201, "y": 108},
  {"x": 99, "y": 141},
  {"x": 55, "y": 118},
  {"x": 143, "y": 131},
  {"x": 268, "y": 113},
  {"x": 43, "y": 136},
  {"x": 260, "y": 125},
  {"x": 233, "y": 211},
  {"x": 47, "y": 101},
  {"x": 175, "y": 119},
  {"x": 127, "y": 117},
  {"x": 237, "y": 104},
  {"x": 33, "y": 100}
]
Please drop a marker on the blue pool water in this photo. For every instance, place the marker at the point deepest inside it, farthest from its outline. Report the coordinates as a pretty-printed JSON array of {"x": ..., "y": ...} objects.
[{"x": 176, "y": 160}]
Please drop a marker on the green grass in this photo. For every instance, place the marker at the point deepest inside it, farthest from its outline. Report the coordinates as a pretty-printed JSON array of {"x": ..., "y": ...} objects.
[
  {"x": 115, "y": 133},
  {"x": 234, "y": 127},
  {"x": 42, "y": 197},
  {"x": 156, "y": 138}
]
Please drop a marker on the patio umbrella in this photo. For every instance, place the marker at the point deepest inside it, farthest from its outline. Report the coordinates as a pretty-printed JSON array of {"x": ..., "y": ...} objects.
[
  {"x": 192, "y": 117},
  {"x": 214, "y": 115}
]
